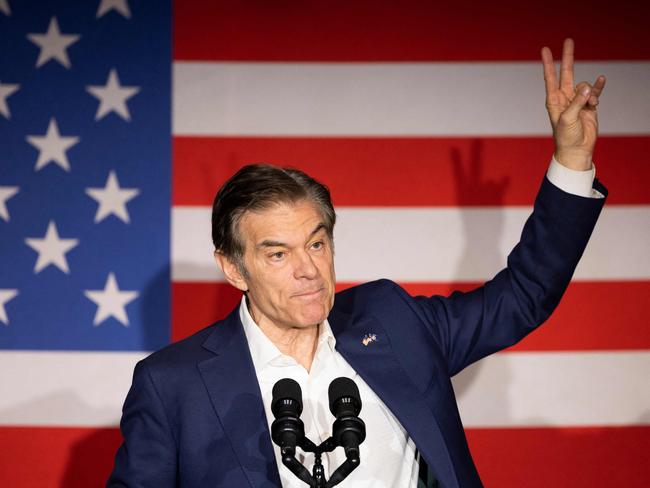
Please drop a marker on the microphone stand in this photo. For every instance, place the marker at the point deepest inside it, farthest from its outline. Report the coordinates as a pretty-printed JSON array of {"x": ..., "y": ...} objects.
[{"x": 317, "y": 478}]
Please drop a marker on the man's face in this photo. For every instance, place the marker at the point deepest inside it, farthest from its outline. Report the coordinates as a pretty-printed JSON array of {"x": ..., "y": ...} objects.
[{"x": 289, "y": 261}]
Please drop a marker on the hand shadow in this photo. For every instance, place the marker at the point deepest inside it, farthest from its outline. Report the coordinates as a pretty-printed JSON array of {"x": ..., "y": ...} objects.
[{"x": 480, "y": 203}]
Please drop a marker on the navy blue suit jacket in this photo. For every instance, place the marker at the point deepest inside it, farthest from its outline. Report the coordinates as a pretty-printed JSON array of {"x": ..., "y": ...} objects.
[{"x": 194, "y": 415}]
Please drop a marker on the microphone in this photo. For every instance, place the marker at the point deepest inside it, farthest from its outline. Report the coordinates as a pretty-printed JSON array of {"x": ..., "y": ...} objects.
[
  {"x": 287, "y": 430},
  {"x": 348, "y": 430}
]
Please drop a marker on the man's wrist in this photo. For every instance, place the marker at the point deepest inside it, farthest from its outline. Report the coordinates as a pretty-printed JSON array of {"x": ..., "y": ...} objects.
[{"x": 575, "y": 160}]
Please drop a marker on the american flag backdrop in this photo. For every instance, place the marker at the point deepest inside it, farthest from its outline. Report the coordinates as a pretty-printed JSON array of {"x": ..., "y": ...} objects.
[{"x": 119, "y": 119}]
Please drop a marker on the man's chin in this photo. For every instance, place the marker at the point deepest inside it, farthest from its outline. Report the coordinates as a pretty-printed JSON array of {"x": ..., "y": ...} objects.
[{"x": 314, "y": 318}]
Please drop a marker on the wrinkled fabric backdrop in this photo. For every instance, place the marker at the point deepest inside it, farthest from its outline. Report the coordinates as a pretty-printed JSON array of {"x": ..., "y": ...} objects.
[{"x": 119, "y": 120}]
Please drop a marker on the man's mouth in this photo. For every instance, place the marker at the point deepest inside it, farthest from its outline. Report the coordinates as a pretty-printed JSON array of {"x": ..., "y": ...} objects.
[{"x": 309, "y": 294}]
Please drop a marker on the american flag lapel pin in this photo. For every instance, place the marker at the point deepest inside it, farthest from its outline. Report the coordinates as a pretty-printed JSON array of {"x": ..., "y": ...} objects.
[{"x": 368, "y": 338}]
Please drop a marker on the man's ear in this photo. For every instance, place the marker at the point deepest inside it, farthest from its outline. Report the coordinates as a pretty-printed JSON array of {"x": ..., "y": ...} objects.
[{"x": 231, "y": 271}]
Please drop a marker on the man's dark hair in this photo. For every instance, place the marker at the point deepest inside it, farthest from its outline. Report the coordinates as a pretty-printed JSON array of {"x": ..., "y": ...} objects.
[{"x": 258, "y": 187}]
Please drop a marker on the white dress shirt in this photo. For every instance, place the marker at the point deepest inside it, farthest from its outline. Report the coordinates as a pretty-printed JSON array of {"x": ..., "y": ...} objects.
[
  {"x": 388, "y": 455},
  {"x": 571, "y": 181}
]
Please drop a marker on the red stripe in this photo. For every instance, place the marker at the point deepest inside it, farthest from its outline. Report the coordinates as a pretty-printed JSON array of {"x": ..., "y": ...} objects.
[
  {"x": 56, "y": 456},
  {"x": 50, "y": 457},
  {"x": 197, "y": 305},
  {"x": 596, "y": 316},
  {"x": 562, "y": 458},
  {"x": 409, "y": 30},
  {"x": 592, "y": 315},
  {"x": 408, "y": 171}
]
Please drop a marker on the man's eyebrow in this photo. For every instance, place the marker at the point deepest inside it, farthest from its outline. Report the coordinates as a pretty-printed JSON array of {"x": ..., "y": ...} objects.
[
  {"x": 271, "y": 243},
  {"x": 317, "y": 229}
]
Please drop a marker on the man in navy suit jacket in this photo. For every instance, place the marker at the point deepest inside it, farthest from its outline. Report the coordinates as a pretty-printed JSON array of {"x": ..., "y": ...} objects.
[{"x": 195, "y": 417}]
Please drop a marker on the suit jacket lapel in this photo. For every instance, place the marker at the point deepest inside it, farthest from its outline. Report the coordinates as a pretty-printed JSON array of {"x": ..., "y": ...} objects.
[
  {"x": 377, "y": 364},
  {"x": 235, "y": 394}
]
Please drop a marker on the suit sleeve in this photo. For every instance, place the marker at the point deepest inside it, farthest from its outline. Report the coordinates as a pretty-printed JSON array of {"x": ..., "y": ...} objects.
[
  {"x": 147, "y": 457},
  {"x": 469, "y": 326}
]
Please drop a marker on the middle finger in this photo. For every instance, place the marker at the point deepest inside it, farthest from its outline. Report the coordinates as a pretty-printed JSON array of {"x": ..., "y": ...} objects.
[{"x": 566, "y": 68}]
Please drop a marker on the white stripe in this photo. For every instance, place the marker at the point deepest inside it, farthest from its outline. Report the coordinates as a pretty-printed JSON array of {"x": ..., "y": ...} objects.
[
  {"x": 64, "y": 388},
  {"x": 555, "y": 389},
  {"x": 409, "y": 99},
  {"x": 442, "y": 244},
  {"x": 507, "y": 389}
]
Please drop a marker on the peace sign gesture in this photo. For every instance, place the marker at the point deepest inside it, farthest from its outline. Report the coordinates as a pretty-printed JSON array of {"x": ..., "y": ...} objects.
[{"x": 572, "y": 110}]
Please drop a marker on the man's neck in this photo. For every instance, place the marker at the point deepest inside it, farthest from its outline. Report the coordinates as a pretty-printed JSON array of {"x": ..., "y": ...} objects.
[{"x": 298, "y": 343}]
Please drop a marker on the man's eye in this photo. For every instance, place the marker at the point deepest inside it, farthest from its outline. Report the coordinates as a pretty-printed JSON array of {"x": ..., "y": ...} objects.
[
  {"x": 277, "y": 255},
  {"x": 317, "y": 245}
]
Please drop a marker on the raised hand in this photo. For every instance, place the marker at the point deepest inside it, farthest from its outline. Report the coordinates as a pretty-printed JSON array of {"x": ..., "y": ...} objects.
[{"x": 572, "y": 110}]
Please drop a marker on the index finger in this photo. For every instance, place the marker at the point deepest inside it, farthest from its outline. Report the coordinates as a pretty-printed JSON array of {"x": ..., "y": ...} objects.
[{"x": 550, "y": 77}]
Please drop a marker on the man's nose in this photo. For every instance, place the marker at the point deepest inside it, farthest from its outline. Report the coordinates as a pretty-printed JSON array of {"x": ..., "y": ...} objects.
[{"x": 304, "y": 266}]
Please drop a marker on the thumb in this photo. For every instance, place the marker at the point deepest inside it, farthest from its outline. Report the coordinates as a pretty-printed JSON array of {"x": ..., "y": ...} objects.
[{"x": 583, "y": 92}]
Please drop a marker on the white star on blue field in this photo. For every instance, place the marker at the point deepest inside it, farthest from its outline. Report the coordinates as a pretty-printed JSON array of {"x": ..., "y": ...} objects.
[{"x": 85, "y": 175}]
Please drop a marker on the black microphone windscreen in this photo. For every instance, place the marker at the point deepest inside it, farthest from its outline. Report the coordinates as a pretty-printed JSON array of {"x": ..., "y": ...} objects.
[
  {"x": 343, "y": 387},
  {"x": 286, "y": 389}
]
